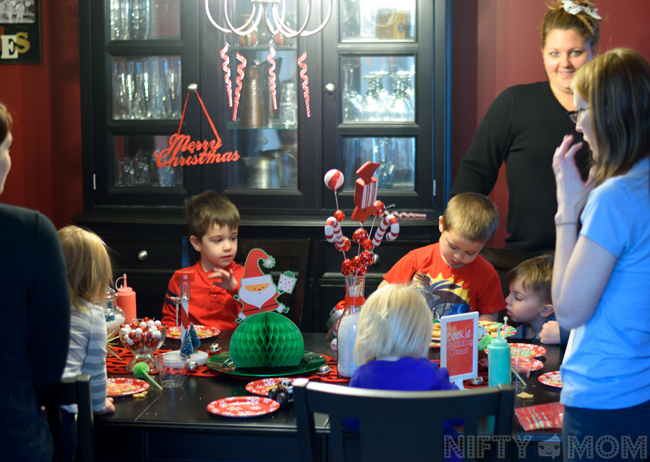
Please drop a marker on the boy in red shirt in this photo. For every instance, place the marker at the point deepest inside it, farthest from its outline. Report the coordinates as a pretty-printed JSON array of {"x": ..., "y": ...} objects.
[
  {"x": 459, "y": 279},
  {"x": 213, "y": 223}
]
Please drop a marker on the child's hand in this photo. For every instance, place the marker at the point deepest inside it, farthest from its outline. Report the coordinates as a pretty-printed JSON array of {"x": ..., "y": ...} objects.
[
  {"x": 228, "y": 281},
  {"x": 108, "y": 409},
  {"x": 550, "y": 333}
]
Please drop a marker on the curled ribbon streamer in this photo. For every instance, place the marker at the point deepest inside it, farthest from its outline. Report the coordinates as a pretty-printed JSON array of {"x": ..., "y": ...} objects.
[
  {"x": 272, "y": 77},
  {"x": 226, "y": 61},
  {"x": 410, "y": 215},
  {"x": 305, "y": 78},
  {"x": 240, "y": 77}
]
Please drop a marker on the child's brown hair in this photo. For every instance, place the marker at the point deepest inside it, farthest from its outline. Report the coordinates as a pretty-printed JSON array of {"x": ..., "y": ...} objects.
[
  {"x": 536, "y": 275},
  {"x": 208, "y": 208},
  {"x": 471, "y": 215}
]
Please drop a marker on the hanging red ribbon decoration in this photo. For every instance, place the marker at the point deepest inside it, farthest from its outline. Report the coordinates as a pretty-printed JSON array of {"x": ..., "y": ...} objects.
[
  {"x": 238, "y": 79},
  {"x": 193, "y": 89},
  {"x": 226, "y": 60},
  {"x": 272, "y": 78},
  {"x": 305, "y": 78}
]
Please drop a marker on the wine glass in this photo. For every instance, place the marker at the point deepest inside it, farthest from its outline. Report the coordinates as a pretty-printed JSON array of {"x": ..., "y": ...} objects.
[
  {"x": 372, "y": 105},
  {"x": 401, "y": 104}
]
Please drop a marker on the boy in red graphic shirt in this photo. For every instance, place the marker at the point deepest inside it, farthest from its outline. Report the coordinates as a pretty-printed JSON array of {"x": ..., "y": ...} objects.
[{"x": 459, "y": 279}]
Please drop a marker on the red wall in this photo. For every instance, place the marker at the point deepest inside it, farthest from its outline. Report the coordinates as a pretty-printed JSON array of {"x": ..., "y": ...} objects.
[
  {"x": 44, "y": 98},
  {"x": 496, "y": 44},
  {"x": 497, "y": 40}
]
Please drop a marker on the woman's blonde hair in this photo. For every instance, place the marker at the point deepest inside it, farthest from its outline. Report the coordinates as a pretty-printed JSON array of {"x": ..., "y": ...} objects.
[
  {"x": 89, "y": 266},
  {"x": 616, "y": 86},
  {"x": 583, "y": 24},
  {"x": 395, "y": 321}
]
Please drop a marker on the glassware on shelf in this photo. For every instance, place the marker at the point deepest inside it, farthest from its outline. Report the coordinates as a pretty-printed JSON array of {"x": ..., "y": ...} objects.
[
  {"x": 130, "y": 19},
  {"x": 401, "y": 103},
  {"x": 289, "y": 104},
  {"x": 140, "y": 19},
  {"x": 377, "y": 20},
  {"x": 352, "y": 108},
  {"x": 372, "y": 105},
  {"x": 146, "y": 88}
]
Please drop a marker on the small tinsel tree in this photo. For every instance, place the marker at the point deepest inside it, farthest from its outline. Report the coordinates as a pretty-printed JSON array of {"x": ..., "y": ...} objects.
[
  {"x": 187, "y": 348},
  {"x": 196, "y": 343}
]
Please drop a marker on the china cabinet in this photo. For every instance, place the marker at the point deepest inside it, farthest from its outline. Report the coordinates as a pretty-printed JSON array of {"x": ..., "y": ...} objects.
[{"x": 378, "y": 89}]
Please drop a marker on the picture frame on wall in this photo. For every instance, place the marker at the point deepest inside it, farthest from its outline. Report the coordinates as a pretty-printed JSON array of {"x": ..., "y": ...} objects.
[{"x": 20, "y": 32}]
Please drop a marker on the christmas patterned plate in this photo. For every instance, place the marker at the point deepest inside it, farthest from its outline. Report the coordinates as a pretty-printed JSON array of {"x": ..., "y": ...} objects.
[
  {"x": 221, "y": 362},
  {"x": 536, "y": 365},
  {"x": 261, "y": 387},
  {"x": 243, "y": 406},
  {"x": 552, "y": 379},
  {"x": 202, "y": 331},
  {"x": 123, "y": 386}
]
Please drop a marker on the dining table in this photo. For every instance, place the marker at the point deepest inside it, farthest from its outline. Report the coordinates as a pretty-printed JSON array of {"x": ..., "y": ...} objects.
[{"x": 174, "y": 424}]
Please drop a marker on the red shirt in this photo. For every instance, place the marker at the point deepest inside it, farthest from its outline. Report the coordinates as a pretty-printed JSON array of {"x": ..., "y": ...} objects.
[
  {"x": 210, "y": 305},
  {"x": 478, "y": 282}
]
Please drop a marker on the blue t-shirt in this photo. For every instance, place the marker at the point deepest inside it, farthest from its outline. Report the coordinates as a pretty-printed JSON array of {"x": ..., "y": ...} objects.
[
  {"x": 405, "y": 374},
  {"x": 522, "y": 329},
  {"x": 610, "y": 364}
]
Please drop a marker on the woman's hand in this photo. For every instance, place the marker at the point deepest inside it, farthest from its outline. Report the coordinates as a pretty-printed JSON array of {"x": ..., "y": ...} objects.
[
  {"x": 228, "y": 281},
  {"x": 572, "y": 192}
]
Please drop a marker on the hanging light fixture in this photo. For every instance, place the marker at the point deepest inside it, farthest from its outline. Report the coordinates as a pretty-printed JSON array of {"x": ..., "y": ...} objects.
[{"x": 276, "y": 26}]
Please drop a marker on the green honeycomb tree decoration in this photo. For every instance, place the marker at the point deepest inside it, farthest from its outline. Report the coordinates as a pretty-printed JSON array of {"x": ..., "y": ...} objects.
[{"x": 267, "y": 340}]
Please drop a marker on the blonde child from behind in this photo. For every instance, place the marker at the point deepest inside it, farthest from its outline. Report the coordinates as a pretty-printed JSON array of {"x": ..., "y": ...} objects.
[
  {"x": 392, "y": 344},
  {"x": 213, "y": 225},
  {"x": 454, "y": 263},
  {"x": 89, "y": 274},
  {"x": 529, "y": 302}
]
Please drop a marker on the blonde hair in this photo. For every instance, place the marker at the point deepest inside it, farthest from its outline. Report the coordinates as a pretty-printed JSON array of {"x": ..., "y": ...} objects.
[
  {"x": 616, "y": 86},
  {"x": 208, "y": 208},
  {"x": 89, "y": 266},
  {"x": 536, "y": 275},
  {"x": 394, "y": 321},
  {"x": 471, "y": 215},
  {"x": 584, "y": 25}
]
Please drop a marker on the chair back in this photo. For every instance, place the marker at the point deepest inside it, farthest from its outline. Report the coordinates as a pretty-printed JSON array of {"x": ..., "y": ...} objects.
[
  {"x": 70, "y": 391},
  {"x": 397, "y": 425},
  {"x": 290, "y": 255}
]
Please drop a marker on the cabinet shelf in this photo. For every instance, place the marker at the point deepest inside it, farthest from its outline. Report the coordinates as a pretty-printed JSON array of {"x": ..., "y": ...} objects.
[
  {"x": 165, "y": 47},
  {"x": 274, "y": 125}
]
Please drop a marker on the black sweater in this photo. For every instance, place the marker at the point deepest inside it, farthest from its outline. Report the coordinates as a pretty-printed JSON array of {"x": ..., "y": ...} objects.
[{"x": 523, "y": 127}]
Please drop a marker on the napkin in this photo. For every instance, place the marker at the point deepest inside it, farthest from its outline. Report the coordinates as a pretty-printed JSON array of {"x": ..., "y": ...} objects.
[{"x": 540, "y": 416}]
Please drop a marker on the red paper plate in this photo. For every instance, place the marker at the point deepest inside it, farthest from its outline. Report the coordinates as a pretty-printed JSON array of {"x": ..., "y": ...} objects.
[
  {"x": 525, "y": 349},
  {"x": 123, "y": 386},
  {"x": 202, "y": 332},
  {"x": 243, "y": 406},
  {"x": 536, "y": 365},
  {"x": 552, "y": 379},
  {"x": 261, "y": 387}
]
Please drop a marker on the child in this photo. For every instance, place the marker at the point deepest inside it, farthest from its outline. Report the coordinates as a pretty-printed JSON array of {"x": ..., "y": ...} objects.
[
  {"x": 529, "y": 301},
  {"x": 213, "y": 223},
  {"x": 89, "y": 274},
  {"x": 392, "y": 344},
  {"x": 465, "y": 281}
]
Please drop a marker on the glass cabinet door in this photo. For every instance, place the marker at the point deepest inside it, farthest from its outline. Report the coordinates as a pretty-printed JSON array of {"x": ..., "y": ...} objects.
[{"x": 386, "y": 69}]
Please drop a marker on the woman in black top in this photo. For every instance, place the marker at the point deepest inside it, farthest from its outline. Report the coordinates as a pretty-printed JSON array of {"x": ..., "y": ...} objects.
[{"x": 526, "y": 123}]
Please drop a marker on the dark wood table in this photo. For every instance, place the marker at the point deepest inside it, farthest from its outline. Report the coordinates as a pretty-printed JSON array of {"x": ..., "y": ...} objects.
[{"x": 174, "y": 424}]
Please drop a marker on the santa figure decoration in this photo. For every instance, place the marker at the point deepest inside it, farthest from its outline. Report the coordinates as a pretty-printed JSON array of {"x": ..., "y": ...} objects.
[{"x": 258, "y": 293}]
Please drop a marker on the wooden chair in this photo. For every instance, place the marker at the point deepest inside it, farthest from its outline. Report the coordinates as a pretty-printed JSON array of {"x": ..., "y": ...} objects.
[
  {"x": 290, "y": 254},
  {"x": 395, "y": 425},
  {"x": 70, "y": 391}
]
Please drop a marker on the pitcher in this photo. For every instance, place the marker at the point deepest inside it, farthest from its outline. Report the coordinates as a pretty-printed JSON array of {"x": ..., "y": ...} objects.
[{"x": 254, "y": 113}]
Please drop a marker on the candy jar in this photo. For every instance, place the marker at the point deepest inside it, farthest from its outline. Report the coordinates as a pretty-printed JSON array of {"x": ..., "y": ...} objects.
[
  {"x": 143, "y": 338},
  {"x": 347, "y": 329}
]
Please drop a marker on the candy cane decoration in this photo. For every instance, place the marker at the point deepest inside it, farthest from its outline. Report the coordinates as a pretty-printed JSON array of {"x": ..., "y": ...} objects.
[
  {"x": 272, "y": 77},
  {"x": 333, "y": 232},
  {"x": 410, "y": 215},
  {"x": 305, "y": 78},
  {"x": 226, "y": 60},
  {"x": 240, "y": 77},
  {"x": 388, "y": 222}
]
